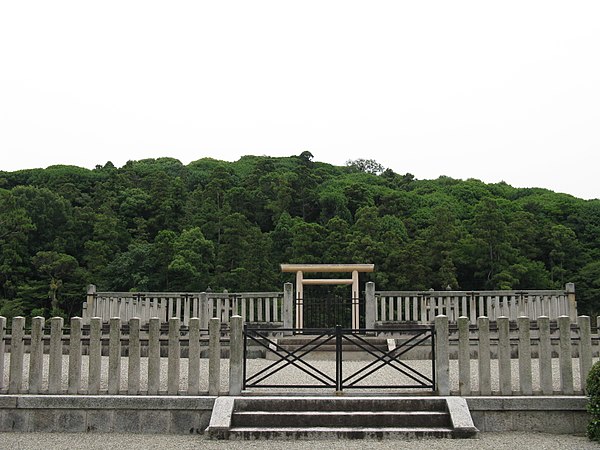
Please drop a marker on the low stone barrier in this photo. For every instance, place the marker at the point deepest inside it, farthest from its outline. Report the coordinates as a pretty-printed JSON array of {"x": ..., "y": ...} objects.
[{"x": 106, "y": 414}]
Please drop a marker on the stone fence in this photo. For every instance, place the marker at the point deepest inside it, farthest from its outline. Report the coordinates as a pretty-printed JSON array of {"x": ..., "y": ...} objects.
[
  {"x": 71, "y": 368},
  {"x": 569, "y": 336},
  {"x": 65, "y": 375},
  {"x": 252, "y": 307},
  {"x": 424, "y": 306},
  {"x": 382, "y": 308}
]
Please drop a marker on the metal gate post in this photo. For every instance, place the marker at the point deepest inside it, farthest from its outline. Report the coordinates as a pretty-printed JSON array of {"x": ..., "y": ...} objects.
[
  {"x": 338, "y": 359},
  {"x": 245, "y": 356}
]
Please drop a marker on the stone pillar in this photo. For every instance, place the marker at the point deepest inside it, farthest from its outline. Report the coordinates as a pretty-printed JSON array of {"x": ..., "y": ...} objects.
[
  {"x": 15, "y": 380},
  {"x": 570, "y": 290},
  {"x": 214, "y": 356},
  {"x": 504, "y": 362},
  {"x": 288, "y": 307},
  {"x": 75, "y": 356},
  {"x": 174, "y": 357},
  {"x": 95, "y": 358},
  {"x": 134, "y": 357},
  {"x": 114, "y": 356},
  {"x": 485, "y": 377},
  {"x": 204, "y": 313},
  {"x": 56, "y": 355},
  {"x": 565, "y": 355},
  {"x": 525, "y": 375},
  {"x": 91, "y": 305},
  {"x": 585, "y": 349},
  {"x": 545, "y": 355},
  {"x": 194, "y": 357},
  {"x": 154, "y": 356},
  {"x": 36, "y": 355},
  {"x": 2, "y": 348},
  {"x": 464, "y": 356},
  {"x": 442, "y": 355},
  {"x": 370, "y": 305},
  {"x": 236, "y": 357}
]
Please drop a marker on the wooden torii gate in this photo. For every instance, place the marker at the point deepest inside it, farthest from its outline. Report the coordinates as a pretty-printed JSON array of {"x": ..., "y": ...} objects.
[{"x": 300, "y": 269}]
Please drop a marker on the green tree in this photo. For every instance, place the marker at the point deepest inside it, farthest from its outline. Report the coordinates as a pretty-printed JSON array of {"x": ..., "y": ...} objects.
[
  {"x": 56, "y": 267},
  {"x": 193, "y": 261}
]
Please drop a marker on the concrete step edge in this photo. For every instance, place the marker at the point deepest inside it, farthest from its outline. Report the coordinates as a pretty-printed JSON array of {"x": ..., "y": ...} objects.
[
  {"x": 341, "y": 413},
  {"x": 339, "y": 429}
]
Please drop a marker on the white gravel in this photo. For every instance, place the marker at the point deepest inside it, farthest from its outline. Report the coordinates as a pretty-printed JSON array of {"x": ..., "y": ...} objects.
[{"x": 97, "y": 441}]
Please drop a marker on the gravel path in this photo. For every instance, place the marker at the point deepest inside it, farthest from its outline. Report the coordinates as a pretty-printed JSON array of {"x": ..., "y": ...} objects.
[{"x": 97, "y": 441}]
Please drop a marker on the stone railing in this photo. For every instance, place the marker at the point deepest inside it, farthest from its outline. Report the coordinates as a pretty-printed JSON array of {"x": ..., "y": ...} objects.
[
  {"x": 252, "y": 307},
  {"x": 473, "y": 360},
  {"x": 567, "y": 341},
  {"x": 84, "y": 372},
  {"x": 423, "y": 306},
  {"x": 381, "y": 307}
]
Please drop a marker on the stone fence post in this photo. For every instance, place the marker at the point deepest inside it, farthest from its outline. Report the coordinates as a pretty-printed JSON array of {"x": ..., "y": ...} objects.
[
  {"x": 370, "y": 305},
  {"x": 565, "y": 355},
  {"x": 56, "y": 356},
  {"x": 525, "y": 369},
  {"x": 75, "y": 356},
  {"x": 89, "y": 309},
  {"x": 464, "y": 356},
  {"x": 174, "y": 359},
  {"x": 236, "y": 356},
  {"x": 153, "y": 356},
  {"x": 15, "y": 380},
  {"x": 545, "y": 355},
  {"x": 36, "y": 355},
  {"x": 483, "y": 360},
  {"x": 133, "y": 364},
  {"x": 504, "y": 362},
  {"x": 214, "y": 356},
  {"x": 194, "y": 357},
  {"x": 570, "y": 289},
  {"x": 95, "y": 356},
  {"x": 442, "y": 355}
]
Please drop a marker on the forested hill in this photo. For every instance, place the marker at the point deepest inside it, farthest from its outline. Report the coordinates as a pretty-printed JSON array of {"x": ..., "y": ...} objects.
[{"x": 159, "y": 225}]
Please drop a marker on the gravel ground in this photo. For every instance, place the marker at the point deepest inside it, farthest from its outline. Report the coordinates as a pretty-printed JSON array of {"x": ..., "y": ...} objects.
[
  {"x": 96, "y": 441},
  {"x": 384, "y": 377}
]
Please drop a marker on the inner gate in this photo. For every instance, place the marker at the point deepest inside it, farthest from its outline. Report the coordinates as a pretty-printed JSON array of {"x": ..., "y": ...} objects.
[{"x": 319, "y": 311}]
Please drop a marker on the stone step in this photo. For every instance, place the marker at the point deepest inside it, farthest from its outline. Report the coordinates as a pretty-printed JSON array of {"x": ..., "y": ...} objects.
[
  {"x": 300, "y": 433},
  {"x": 355, "y": 404},
  {"x": 336, "y": 419},
  {"x": 345, "y": 417}
]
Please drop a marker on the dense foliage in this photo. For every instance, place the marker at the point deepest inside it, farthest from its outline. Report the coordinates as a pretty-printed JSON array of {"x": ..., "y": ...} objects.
[
  {"x": 593, "y": 407},
  {"x": 159, "y": 225}
]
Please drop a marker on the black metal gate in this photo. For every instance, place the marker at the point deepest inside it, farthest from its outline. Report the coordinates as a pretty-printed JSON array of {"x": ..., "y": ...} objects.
[
  {"x": 401, "y": 374},
  {"x": 325, "y": 312},
  {"x": 329, "y": 312}
]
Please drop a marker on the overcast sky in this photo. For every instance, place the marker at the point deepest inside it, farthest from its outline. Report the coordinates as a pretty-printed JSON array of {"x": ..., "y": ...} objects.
[{"x": 494, "y": 90}]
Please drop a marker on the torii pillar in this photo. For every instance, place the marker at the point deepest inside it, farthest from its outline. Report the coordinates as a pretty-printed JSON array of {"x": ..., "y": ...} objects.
[{"x": 300, "y": 269}]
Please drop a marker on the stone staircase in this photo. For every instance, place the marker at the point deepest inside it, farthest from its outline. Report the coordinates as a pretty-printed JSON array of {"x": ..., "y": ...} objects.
[{"x": 249, "y": 418}]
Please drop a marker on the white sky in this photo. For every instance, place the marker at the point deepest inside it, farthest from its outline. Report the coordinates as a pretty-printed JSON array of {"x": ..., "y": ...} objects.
[{"x": 494, "y": 90}]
